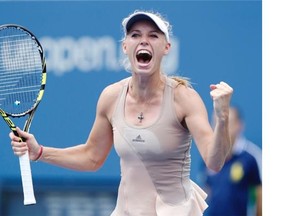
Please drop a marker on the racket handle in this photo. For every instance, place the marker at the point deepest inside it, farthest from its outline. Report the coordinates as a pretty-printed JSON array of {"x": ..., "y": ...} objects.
[{"x": 26, "y": 177}]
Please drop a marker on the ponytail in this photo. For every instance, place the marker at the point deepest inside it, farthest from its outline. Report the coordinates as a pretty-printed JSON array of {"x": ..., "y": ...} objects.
[{"x": 182, "y": 80}]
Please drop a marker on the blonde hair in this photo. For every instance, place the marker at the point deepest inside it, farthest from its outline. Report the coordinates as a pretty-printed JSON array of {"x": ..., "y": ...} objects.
[{"x": 185, "y": 81}]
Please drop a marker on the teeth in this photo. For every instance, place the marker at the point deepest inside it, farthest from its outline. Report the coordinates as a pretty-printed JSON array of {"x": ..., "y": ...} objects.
[{"x": 143, "y": 52}]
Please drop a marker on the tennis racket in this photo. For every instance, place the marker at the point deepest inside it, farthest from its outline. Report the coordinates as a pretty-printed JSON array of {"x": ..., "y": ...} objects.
[{"x": 22, "y": 83}]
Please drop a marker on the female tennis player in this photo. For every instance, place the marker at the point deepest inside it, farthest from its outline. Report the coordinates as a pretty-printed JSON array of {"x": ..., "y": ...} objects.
[{"x": 151, "y": 119}]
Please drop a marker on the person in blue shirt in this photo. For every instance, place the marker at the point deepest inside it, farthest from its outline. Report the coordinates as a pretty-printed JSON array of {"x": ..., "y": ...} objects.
[{"x": 232, "y": 190}]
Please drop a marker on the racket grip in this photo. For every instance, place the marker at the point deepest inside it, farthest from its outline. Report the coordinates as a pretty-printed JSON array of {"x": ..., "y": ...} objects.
[{"x": 26, "y": 177}]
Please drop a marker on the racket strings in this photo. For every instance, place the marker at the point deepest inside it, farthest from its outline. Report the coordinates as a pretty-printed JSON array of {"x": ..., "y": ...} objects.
[{"x": 20, "y": 71}]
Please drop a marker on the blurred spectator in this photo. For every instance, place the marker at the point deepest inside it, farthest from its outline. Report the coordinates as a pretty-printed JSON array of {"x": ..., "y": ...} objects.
[{"x": 237, "y": 189}]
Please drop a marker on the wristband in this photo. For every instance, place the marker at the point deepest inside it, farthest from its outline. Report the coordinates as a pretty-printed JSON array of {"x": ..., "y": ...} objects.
[{"x": 39, "y": 153}]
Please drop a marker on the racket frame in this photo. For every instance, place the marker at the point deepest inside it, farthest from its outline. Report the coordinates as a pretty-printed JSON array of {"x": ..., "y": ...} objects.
[{"x": 24, "y": 161}]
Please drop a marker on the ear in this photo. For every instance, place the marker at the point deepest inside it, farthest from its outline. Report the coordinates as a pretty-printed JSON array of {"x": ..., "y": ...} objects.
[
  {"x": 167, "y": 48},
  {"x": 124, "y": 47}
]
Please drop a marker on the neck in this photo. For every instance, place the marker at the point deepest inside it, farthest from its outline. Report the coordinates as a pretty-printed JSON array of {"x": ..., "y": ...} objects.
[{"x": 142, "y": 89}]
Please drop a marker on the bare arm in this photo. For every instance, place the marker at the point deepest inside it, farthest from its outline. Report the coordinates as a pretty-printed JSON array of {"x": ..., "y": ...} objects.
[
  {"x": 221, "y": 95},
  {"x": 259, "y": 200},
  {"x": 215, "y": 145},
  {"x": 85, "y": 157}
]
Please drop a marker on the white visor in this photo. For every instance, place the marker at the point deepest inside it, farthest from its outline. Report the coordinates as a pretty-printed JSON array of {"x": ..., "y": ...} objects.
[{"x": 137, "y": 16}]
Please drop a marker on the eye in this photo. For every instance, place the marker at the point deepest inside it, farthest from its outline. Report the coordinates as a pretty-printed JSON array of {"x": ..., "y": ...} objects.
[
  {"x": 135, "y": 35},
  {"x": 154, "y": 35}
]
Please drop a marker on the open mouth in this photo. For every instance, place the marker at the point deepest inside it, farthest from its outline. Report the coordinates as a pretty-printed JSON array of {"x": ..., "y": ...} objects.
[{"x": 143, "y": 56}]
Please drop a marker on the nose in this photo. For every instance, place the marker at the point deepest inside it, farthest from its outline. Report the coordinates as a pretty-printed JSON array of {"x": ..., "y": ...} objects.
[{"x": 144, "y": 42}]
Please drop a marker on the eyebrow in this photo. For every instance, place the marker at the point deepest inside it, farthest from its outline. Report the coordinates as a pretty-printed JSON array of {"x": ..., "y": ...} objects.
[{"x": 153, "y": 31}]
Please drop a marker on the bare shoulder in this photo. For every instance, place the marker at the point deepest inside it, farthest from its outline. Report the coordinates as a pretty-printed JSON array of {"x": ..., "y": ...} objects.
[
  {"x": 112, "y": 91},
  {"x": 109, "y": 96},
  {"x": 187, "y": 100},
  {"x": 184, "y": 93}
]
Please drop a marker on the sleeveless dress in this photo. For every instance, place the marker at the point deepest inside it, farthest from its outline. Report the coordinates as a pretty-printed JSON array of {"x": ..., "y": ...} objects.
[{"x": 155, "y": 164}]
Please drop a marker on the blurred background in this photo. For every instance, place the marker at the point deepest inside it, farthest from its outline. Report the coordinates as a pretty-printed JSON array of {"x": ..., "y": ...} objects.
[{"x": 213, "y": 41}]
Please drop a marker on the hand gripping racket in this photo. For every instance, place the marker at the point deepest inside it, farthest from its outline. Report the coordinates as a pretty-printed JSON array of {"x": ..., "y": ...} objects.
[{"x": 22, "y": 83}]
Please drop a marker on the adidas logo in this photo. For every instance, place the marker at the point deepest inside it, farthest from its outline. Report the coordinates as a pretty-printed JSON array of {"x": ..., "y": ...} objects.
[{"x": 138, "y": 139}]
